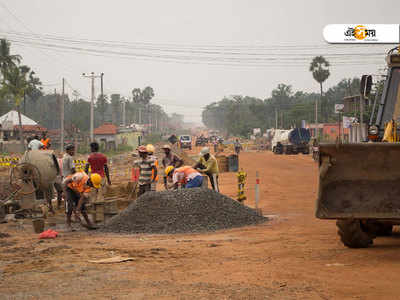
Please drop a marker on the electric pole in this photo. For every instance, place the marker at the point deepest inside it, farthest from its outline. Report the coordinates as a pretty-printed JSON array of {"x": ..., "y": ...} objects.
[
  {"x": 62, "y": 116},
  {"x": 316, "y": 119},
  {"x": 123, "y": 112},
  {"x": 92, "y": 77}
]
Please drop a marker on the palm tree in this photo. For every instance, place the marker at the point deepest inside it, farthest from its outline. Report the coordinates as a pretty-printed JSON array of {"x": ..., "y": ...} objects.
[
  {"x": 319, "y": 69},
  {"x": 6, "y": 59},
  {"x": 18, "y": 81}
]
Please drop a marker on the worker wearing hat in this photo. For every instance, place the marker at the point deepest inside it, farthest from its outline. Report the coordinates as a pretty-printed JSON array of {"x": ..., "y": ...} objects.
[
  {"x": 77, "y": 189},
  {"x": 147, "y": 170},
  {"x": 208, "y": 165},
  {"x": 185, "y": 176},
  {"x": 150, "y": 150},
  {"x": 170, "y": 159}
]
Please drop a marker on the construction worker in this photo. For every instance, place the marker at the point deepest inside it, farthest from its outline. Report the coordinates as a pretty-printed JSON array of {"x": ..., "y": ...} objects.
[
  {"x": 68, "y": 165},
  {"x": 98, "y": 164},
  {"x": 35, "y": 143},
  {"x": 150, "y": 151},
  {"x": 208, "y": 165},
  {"x": 237, "y": 146},
  {"x": 170, "y": 159},
  {"x": 45, "y": 141},
  {"x": 147, "y": 170},
  {"x": 186, "y": 176},
  {"x": 77, "y": 188}
]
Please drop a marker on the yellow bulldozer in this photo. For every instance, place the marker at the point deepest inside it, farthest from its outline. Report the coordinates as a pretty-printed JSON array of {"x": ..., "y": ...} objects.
[{"x": 359, "y": 183}]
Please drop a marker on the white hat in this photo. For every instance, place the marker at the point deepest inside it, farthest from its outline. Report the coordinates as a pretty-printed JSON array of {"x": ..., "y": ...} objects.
[{"x": 205, "y": 151}]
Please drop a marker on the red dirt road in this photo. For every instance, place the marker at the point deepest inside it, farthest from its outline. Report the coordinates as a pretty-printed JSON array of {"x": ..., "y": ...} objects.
[{"x": 294, "y": 256}]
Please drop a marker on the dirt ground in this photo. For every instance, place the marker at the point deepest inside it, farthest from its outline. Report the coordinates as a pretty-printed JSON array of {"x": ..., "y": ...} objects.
[{"x": 293, "y": 256}]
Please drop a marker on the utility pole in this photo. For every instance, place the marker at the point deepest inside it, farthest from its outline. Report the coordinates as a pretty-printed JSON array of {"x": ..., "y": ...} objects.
[
  {"x": 92, "y": 77},
  {"x": 276, "y": 118},
  {"x": 101, "y": 82},
  {"x": 123, "y": 112},
  {"x": 62, "y": 116},
  {"x": 316, "y": 119}
]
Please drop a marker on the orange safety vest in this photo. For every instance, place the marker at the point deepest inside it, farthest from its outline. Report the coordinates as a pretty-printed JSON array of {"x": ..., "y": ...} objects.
[
  {"x": 186, "y": 170},
  {"x": 152, "y": 171},
  {"x": 80, "y": 186},
  {"x": 46, "y": 143}
]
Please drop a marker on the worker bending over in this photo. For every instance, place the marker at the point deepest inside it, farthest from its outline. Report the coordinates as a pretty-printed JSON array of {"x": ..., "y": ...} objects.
[
  {"x": 150, "y": 151},
  {"x": 185, "y": 176},
  {"x": 208, "y": 165},
  {"x": 147, "y": 170},
  {"x": 77, "y": 189},
  {"x": 170, "y": 159}
]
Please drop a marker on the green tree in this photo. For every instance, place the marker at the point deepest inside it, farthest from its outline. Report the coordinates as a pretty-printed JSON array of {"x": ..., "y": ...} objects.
[
  {"x": 101, "y": 107},
  {"x": 319, "y": 69},
  {"x": 17, "y": 81},
  {"x": 7, "y": 60},
  {"x": 116, "y": 108}
]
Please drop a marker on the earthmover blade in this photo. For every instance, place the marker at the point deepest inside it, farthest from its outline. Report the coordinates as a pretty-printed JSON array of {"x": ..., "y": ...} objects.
[{"x": 360, "y": 181}]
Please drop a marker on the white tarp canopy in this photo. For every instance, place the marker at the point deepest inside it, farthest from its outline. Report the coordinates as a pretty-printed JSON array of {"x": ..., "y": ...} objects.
[{"x": 12, "y": 117}]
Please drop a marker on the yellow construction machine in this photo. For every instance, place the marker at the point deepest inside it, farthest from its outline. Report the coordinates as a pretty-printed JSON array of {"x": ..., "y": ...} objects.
[{"x": 359, "y": 183}]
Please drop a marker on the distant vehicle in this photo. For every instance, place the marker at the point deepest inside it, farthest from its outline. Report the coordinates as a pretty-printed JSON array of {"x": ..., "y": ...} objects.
[
  {"x": 292, "y": 141},
  {"x": 185, "y": 142},
  {"x": 201, "y": 141}
]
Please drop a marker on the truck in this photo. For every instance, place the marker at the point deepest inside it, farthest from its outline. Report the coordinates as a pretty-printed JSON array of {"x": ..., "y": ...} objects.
[
  {"x": 291, "y": 141},
  {"x": 185, "y": 142},
  {"x": 359, "y": 182}
]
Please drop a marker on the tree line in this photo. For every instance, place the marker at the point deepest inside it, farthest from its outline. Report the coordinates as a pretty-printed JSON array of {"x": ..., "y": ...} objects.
[
  {"x": 285, "y": 108},
  {"x": 21, "y": 89}
]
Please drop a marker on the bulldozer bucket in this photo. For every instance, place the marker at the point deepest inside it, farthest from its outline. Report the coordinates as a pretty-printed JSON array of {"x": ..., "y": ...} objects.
[{"x": 359, "y": 181}]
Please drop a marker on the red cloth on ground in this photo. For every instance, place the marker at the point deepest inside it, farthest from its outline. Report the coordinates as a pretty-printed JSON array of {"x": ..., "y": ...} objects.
[{"x": 48, "y": 234}]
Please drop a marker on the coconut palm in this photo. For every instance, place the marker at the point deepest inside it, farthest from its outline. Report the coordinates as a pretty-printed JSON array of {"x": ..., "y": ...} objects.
[
  {"x": 18, "y": 81},
  {"x": 319, "y": 69},
  {"x": 6, "y": 59}
]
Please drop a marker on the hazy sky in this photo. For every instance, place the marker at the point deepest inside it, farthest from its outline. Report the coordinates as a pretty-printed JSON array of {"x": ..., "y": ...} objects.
[{"x": 185, "y": 88}]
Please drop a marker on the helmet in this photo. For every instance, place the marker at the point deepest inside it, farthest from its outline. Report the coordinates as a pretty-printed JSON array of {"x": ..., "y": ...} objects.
[
  {"x": 70, "y": 147},
  {"x": 96, "y": 180},
  {"x": 169, "y": 169},
  {"x": 142, "y": 149},
  {"x": 150, "y": 148},
  {"x": 205, "y": 151},
  {"x": 166, "y": 147}
]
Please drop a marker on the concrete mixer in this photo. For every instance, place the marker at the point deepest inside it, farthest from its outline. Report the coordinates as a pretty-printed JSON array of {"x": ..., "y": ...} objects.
[{"x": 33, "y": 180}]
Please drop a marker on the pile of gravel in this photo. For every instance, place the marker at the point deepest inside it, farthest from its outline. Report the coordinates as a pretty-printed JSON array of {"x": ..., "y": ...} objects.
[{"x": 187, "y": 210}]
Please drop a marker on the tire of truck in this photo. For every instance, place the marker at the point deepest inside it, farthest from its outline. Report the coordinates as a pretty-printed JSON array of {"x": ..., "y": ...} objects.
[
  {"x": 378, "y": 228},
  {"x": 353, "y": 234}
]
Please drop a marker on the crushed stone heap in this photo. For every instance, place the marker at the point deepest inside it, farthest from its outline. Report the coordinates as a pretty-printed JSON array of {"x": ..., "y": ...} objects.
[{"x": 186, "y": 210}]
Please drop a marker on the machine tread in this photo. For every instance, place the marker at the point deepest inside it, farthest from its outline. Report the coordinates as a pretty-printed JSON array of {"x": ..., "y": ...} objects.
[{"x": 352, "y": 234}]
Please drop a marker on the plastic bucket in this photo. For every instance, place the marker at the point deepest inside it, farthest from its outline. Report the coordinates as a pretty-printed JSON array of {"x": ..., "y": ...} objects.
[{"x": 38, "y": 225}]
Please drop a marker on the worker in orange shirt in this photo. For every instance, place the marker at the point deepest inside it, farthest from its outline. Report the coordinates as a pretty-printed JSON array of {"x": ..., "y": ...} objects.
[
  {"x": 45, "y": 141},
  {"x": 185, "y": 176},
  {"x": 77, "y": 189},
  {"x": 150, "y": 150}
]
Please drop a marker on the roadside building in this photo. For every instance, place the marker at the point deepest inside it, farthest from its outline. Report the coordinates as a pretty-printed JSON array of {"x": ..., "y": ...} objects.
[
  {"x": 110, "y": 137},
  {"x": 9, "y": 131}
]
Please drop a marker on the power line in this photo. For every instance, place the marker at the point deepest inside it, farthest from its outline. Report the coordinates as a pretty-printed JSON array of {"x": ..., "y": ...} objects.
[
  {"x": 182, "y": 55},
  {"x": 27, "y": 28}
]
